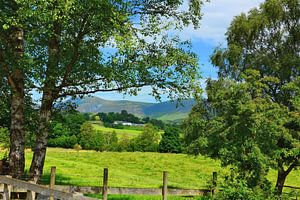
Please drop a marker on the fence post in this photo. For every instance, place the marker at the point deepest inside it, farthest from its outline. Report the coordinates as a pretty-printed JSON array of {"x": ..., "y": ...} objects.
[
  {"x": 30, "y": 194},
  {"x": 105, "y": 184},
  {"x": 165, "y": 185},
  {"x": 214, "y": 182},
  {"x": 6, "y": 194},
  {"x": 52, "y": 180}
]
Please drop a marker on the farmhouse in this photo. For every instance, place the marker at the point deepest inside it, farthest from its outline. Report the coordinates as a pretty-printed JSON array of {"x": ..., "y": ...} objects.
[{"x": 124, "y": 123}]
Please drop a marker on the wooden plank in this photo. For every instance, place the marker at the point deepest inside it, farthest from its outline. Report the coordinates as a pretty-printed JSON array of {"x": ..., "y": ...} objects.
[
  {"x": 36, "y": 188},
  {"x": 165, "y": 185},
  {"x": 124, "y": 190}
]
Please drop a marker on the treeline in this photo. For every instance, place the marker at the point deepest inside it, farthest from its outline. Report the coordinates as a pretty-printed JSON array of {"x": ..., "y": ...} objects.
[
  {"x": 108, "y": 119},
  {"x": 149, "y": 140},
  {"x": 71, "y": 129}
]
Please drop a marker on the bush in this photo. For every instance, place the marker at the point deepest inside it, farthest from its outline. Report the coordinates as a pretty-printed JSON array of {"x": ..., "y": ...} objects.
[
  {"x": 147, "y": 141},
  {"x": 170, "y": 142},
  {"x": 77, "y": 147}
]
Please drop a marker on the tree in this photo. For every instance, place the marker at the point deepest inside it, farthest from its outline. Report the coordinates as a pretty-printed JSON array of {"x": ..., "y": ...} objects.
[
  {"x": 12, "y": 63},
  {"x": 254, "y": 102},
  {"x": 170, "y": 141},
  {"x": 75, "y": 34},
  {"x": 267, "y": 40},
  {"x": 64, "y": 37},
  {"x": 244, "y": 130},
  {"x": 148, "y": 140}
]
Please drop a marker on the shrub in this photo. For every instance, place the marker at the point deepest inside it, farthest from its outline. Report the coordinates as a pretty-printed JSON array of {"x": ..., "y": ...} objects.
[
  {"x": 148, "y": 140},
  {"x": 170, "y": 142},
  {"x": 77, "y": 147}
]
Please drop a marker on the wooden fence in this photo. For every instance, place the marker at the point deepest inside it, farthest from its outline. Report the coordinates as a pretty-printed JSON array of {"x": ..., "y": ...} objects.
[
  {"x": 67, "y": 192},
  {"x": 11, "y": 184},
  {"x": 75, "y": 192}
]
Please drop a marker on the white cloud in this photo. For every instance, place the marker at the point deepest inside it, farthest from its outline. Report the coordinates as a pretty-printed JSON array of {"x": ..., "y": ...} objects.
[{"x": 217, "y": 16}]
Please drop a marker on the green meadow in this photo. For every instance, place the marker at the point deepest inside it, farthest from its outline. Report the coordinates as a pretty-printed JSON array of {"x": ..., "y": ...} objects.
[
  {"x": 131, "y": 132},
  {"x": 135, "y": 169}
]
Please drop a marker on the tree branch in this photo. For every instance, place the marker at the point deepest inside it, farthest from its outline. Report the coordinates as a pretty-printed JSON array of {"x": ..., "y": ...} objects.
[
  {"x": 70, "y": 93},
  {"x": 293, "y": 165}
]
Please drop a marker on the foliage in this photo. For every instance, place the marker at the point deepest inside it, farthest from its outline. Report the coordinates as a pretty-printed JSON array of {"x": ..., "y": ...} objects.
[
  {"x": 240, "y": 191},
  {"x": 4, "y": 103},
  {"x": 170, "y": 141},
  {"x": 155, "y": 122},
  {"x": 253, "y": 126},
  {"x": 4, "y": 137},
  {"x": 65, "y": 128},
  {"x": 64, "y": 51},
  {"x": 111, "y": 117},
  {"x": 148, "y": 140},
  {"x": 244, "y": 129},
  {"x": 77, "y": 147},
  {"x": 110, "y": 141}
]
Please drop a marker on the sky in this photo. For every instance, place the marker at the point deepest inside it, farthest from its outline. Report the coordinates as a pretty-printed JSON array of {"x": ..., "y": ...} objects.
[{"x": 217, "y": 16}]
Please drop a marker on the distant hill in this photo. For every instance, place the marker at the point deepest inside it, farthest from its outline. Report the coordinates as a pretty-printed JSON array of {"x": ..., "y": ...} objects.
[{"x": 167, "y": 111}]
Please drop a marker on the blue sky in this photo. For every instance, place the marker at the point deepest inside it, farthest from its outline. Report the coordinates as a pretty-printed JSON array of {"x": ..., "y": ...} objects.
[{"x": 217, "y": 15}]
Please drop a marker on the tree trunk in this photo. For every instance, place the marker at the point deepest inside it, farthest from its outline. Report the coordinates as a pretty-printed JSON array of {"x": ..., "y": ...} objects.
[
  {"x": 39, "y": 155},
  {"x": 49, "y": 96},
  {"x": 17, "y": 133},
  {"x": 16, "y": 83},
  {"x": 281, "y": 176}
]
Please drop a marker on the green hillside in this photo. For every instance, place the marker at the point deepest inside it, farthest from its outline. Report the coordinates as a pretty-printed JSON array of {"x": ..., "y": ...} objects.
[
  {"x": 177, "y": 116},
  {"x": 129, "y": 132},
  {"x": 120, "y": 132},
  {"x": 166, "y": 111},
  {"x": 96, "y": 104}
]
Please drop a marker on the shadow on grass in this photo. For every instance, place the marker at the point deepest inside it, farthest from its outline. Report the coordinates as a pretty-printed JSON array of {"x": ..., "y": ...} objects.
[{"x": 59, "y": 179}]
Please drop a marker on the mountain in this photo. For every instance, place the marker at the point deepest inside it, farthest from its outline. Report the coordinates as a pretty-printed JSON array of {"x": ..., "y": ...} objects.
[{"x": 168, "y": 111}]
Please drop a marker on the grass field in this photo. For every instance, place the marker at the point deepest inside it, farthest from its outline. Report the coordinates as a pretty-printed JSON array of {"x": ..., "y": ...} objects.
[
  {"x": 129, "y": 131},
  {"x": 173, "y": 116},
  {"x": 141, "y": 170}
]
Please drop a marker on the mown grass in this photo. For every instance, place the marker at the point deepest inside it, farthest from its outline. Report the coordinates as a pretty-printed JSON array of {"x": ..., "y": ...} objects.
[
  {"x": 137, "y": 169},
  {"x": 129, "y": 132}
]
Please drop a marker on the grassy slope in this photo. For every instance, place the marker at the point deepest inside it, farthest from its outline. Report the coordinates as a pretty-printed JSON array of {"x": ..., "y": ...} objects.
[
  {"x": 129, "y": 132},
  {"x": 120, "y": 132},
  {"x": 128, "y": 169},
  {"x": 173, "y": 116},
  {"x": 135, "y": 169}
]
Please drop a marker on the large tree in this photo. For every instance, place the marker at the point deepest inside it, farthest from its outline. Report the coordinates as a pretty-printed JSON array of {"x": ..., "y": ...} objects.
[
  {"x": 13, "y": 63},
  {"x": 77, "y": 47},
  {"x": 255, "y": 101}
]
